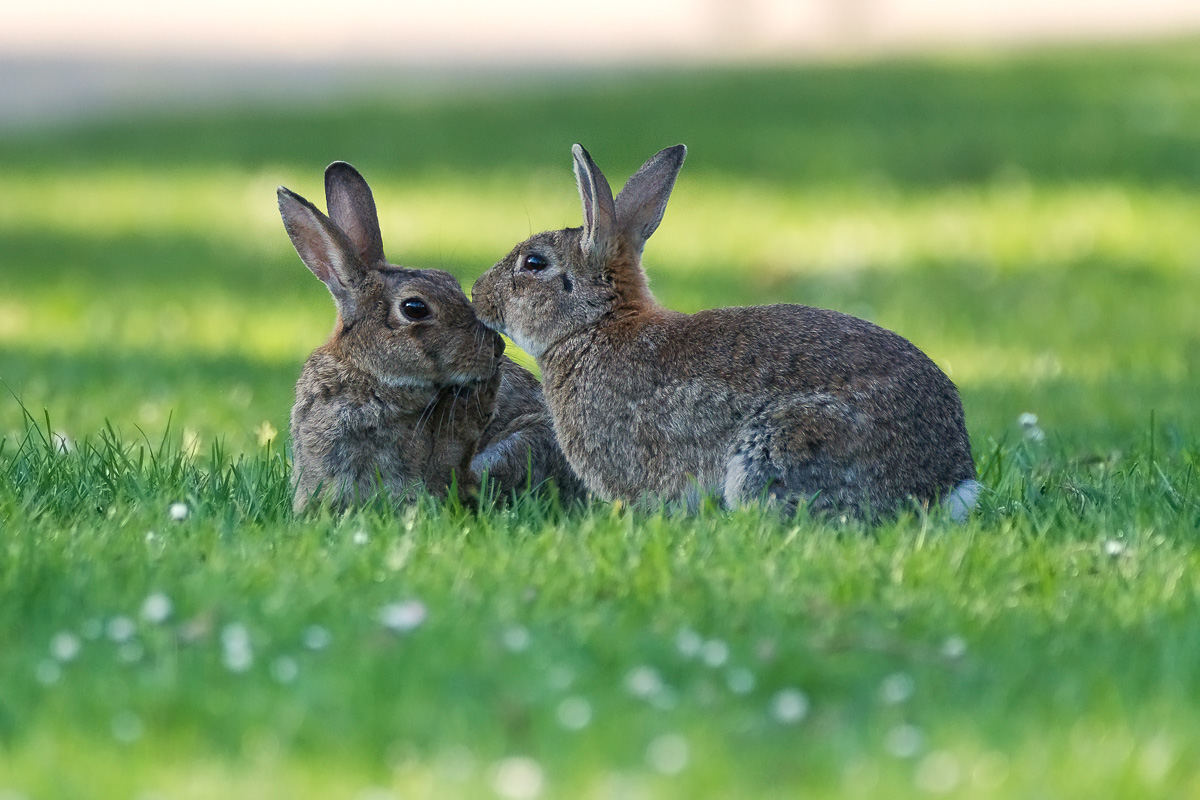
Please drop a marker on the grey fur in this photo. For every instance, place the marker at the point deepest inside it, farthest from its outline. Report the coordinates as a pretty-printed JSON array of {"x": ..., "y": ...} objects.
[
  {"x": 785, "y": 402},
  {"x": 395, "y": 405}
]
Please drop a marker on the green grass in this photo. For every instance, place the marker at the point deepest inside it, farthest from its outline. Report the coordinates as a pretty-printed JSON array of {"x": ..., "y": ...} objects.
[{"x": 1032, "y": 221}]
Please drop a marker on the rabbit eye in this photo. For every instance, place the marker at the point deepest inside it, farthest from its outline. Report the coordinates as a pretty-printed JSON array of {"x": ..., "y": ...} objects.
[
  {"x": 414, "y": 308},
  {"x": 534, "y": 263}
]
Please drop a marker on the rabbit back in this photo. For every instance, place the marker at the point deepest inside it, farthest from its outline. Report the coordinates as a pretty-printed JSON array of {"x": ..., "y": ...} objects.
[{"x": 784, "y": 399}]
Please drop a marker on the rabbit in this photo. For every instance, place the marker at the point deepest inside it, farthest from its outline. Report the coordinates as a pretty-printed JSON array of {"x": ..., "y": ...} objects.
[
  {"x": 405, "y": 393},
  {"x": 783, "y": 403}
]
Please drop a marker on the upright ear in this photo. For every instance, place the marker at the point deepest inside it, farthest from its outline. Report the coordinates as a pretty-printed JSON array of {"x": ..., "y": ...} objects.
[
  {"x": 352, "y": 208},
  {"x": 323, "y": 248},
  {"x": 641, "y": 204},
  {"x": 599, "y": 214}
]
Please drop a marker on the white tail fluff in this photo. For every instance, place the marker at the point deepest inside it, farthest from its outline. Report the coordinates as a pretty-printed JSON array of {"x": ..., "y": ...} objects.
[{"x": 963, "y": 499}]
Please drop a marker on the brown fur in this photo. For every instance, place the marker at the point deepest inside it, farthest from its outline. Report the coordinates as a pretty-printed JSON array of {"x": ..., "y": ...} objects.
[
  {"x": 396, "y": 404},
  {"x": 789, "y": 402}
]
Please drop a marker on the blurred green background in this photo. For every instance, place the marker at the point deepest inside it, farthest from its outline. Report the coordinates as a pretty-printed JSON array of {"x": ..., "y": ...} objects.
[{"x": 1030, "y": 220}]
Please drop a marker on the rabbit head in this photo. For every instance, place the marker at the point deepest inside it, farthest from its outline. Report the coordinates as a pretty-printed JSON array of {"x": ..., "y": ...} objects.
[
  {"x": 404, "y": 327},
  {"x": 560, "y": 282}
]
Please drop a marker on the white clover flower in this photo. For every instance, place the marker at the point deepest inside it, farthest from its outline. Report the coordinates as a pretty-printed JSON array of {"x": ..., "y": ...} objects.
[
  {"x": 178, "y": 512},
  {"x": 65, "y": 646},
  {"x": 156, "y": 608},
  {"x": 954, "y": 647},
  {"x": 903, "y": 741},
  {"x": 1029, "y": 427},
  {"x": 518, "y": 778},
  {"x": 896, "y": 688},
  {"x": 236, "y": 653},
  {"x": 516, "y": 639},
  {"x": 688, "y": 642},
  {"x": 317, "y": 637},
  {"x": 789, "y": 706},
  {"x": 284, "y": 669},
  {"x": 668, "y": 754},
  {"x": 120, "y": 629},
  {"x": 938, "y": 773},
  {"x": 643, "y": 682},
  {"x": 360, "y": 537},
  {"x": 714, "y": 653},
  {"x": 740, "y": 680},
  {"x": 404, "y": 616},
  {"x": 1114, "y": 548},
  {"x": 574, "y": 713}
]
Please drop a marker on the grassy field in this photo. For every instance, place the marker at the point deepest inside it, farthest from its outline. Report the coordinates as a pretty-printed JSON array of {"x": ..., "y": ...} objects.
[{"x": 169, "y": 630}]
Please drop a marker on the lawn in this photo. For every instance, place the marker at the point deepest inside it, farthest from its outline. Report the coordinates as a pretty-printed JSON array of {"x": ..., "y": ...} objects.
[{"x": 168, "y": 629}]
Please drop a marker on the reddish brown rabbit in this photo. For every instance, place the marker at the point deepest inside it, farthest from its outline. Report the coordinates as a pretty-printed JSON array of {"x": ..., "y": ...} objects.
[
  {"x": 404, "y": 396},
  {"x": 788, "y": 402}
]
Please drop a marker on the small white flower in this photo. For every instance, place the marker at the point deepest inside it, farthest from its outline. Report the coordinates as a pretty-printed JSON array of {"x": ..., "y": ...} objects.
[
  {"x": 740, "y": 680},
  {"x": 954, "y": 647},
  {"x": 668, "y": 754},
  {"x": 62, "y": 442},
  {"x": 156, "y": 608},
  {"x": 938, "y": 773},
  {"x": 317, "y": 637},
  {"x": 643, "y": 682},
  {"x": 403, "y": 617},
  {"x": 896, "y": 688},
  {"x": 178, "y": 511},
  {"x": 714, "y": 653},
  {"x": 903, "y": 741},
  {"x": 65, "y": 646},
  {"x": 236, "y": 652},
  {"x": 789, "y": 706},
  {"x": 560, "y": 678},
  {"x": 518, "y": 778},
  {"x": 516, "y": 639},
  {"x": 1113, "y": 548},
  {"x": 574, "y": 713},
  {"x": 360, "y": 537},
  {"x": 1029, "y": 427},
  {"x": 285, "y": 669},
  {"x": 688, "y": 642},
  {"x": 120, "y": 629}
]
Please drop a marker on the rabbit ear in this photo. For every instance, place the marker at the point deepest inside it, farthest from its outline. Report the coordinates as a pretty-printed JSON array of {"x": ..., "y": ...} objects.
[
  {"x": 323, "y": 248},
  {"x": 352, "y": 208},
  {"x": 599, "y": 211},
  {"x": 641, "y": 204}
]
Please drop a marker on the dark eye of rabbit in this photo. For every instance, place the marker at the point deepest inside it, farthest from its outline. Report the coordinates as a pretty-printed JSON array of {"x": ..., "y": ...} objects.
[
  {"x": 534, "y": 263},
  {"x": 415, "y": 309}
]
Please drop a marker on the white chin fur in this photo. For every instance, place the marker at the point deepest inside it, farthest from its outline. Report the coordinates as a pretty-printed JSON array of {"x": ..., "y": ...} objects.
[
  {"x": 962, "y": 500},
  {"x": 533, "y": 349}
]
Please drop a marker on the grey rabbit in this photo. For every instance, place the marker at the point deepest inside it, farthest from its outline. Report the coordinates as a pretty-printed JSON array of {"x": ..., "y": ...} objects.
[
  {"x": 788, "y": 403},
  {"x": 410, "y": 392}
]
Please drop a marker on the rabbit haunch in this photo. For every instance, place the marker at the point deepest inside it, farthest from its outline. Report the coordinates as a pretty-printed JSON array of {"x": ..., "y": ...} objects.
[
  {"x": 798, "y": 404},
  {"x": 410, "y": 391}
]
